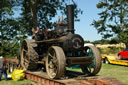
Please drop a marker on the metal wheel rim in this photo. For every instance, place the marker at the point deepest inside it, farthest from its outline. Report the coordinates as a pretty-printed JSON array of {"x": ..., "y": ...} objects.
[
  {"x": 55, "y": 62},
  {"x": 94, "y": 68},
  {"x": 106, "y": 61},
  {"x": 24, "y": 56},
  {"x": 52, "y": 63}
]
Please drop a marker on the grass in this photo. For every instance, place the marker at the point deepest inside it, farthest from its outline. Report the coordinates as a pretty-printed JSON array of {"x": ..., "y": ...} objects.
[
  {"x": 107, "y": 70},
  {"x": 12, "y": 82},
  {"x": 114, "y": 71}
]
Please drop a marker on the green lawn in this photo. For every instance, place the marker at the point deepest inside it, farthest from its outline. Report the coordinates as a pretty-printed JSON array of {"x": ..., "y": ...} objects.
[
  {"x": 12, "y": 82},
  {"x": 108, "y": 70},
  {"x": 115, "y": 71}
]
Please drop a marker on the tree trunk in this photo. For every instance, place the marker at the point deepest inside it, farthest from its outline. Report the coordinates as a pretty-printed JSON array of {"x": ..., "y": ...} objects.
[{"x": 126, "y": 44}]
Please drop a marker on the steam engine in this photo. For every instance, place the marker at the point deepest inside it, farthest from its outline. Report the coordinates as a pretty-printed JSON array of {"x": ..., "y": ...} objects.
[
  {"x": 64, "y": 32},
  {"x": 59, "y": 48}
]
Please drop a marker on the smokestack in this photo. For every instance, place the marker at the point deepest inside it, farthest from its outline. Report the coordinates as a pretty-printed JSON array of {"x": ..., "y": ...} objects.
[{"x": 70, "y": 18}]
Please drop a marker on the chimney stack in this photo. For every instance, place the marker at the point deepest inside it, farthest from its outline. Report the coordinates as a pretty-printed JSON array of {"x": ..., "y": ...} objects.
[{"x": 70, "y": 18}]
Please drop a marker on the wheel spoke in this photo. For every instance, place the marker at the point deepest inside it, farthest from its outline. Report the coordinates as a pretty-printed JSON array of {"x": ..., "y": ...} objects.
[
  {"x": 25, "y": 60},
  {"x": 53, "y": 62},
  {"x": 54, "y": 55},
  {"x": 94, "y": 68},
  {"x": 25, "y": 50},
  {"x": 49, "y": 54}
]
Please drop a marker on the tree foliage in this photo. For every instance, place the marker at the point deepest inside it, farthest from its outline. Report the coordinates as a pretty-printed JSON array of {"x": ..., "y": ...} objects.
[
  {"x": 112, "y": 41},
  {"x": 45, "y": 10},
  {"x": 113, "y": 19},
  {"x": 8, "y": 27},
  {"x": 13, "y": 28}
]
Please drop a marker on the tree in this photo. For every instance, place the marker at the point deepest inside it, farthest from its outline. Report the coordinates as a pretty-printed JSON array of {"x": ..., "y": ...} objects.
[
  {"x": 10, "y": 28},
  {"x": 40, "y": 13},
  {"x": 5, "y": 12},
  {"x": 113, "y": 19},
  {"x": 124, "y": 37},
  {"x": 34, "y": 12}
]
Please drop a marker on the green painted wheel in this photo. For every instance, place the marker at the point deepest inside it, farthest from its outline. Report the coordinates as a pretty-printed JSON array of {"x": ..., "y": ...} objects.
[{"x": 94, "y": 68}]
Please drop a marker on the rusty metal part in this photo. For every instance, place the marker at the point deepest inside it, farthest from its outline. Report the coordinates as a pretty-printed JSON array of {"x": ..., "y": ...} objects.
[
  {"x": 79, "y": 60},
  {"x": 42, "y": 78}
]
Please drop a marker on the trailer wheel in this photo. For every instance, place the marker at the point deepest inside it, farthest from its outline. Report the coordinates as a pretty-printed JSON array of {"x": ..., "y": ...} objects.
[
  {"x": 28, "y": 55},
  {"x": 106, "y": 61},
  {"x": 119, "y": 57},
  {"x": 55, "y": 62},
  {"x": 94, "y": 68}
]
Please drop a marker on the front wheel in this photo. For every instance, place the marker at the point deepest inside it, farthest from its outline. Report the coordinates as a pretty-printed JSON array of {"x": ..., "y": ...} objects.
[
  {"x": 55, "y": 62},
  {"x": 94, "y": 68}
]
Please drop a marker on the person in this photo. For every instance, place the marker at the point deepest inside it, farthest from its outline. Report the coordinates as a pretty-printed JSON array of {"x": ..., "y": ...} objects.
[{"x": 3, "y": 69}]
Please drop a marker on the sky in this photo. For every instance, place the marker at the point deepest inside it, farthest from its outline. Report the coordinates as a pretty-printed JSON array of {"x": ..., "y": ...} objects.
[{"x": 90, "y": 13}]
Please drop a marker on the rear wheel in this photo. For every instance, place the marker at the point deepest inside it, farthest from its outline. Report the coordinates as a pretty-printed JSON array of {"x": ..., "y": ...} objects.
[
  {"x": 28, "y": 55},
  {"x": 94, "y": 68},
  {"x": 55, "y": 62}
]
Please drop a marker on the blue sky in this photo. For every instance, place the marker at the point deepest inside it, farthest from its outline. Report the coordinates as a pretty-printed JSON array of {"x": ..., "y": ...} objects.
[{"x": 90, "y": 13}]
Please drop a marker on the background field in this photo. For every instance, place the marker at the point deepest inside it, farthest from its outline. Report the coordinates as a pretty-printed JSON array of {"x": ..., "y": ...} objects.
[
  {"x": 115, "y": 71},
  {"x": 110, "y": 49},
  {"x": 12, "y": 82}
]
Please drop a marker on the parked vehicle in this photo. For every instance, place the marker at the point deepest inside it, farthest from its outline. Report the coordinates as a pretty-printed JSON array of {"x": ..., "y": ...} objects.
[
  {"x": 112, "y": 59},
  {"x": 123, "y": 54}
]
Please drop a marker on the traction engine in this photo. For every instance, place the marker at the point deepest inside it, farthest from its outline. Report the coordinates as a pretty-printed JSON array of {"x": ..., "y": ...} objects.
[{"x": 58, "y": 49}]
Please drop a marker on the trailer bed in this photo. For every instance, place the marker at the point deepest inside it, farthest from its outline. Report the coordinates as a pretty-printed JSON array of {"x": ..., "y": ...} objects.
[{"x": 114, "y": 60}]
